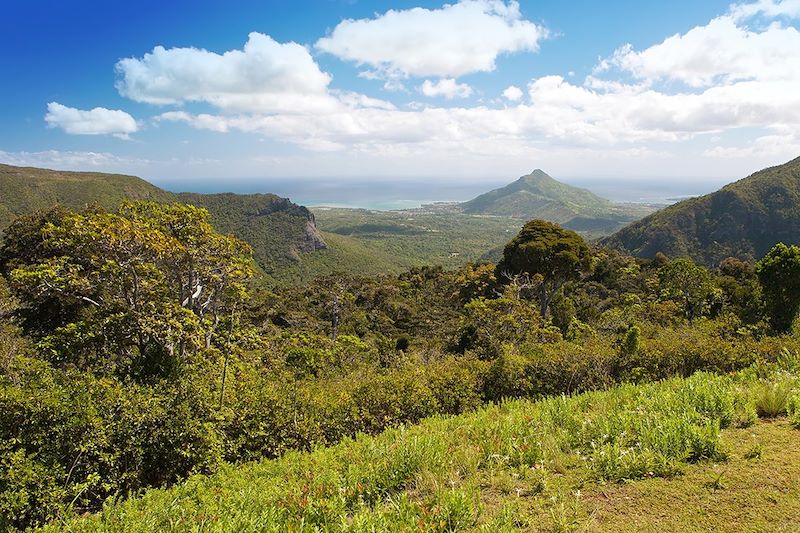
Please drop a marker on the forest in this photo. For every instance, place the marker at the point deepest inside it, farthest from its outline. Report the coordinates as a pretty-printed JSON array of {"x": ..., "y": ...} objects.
[{"x": 150, "y": 372}]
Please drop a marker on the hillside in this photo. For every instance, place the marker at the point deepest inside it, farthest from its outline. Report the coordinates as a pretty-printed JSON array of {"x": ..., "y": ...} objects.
[
  {"x": 277, "y": 229},
  {"x": 538, "y": 195},
  {"x": 743, "y": 219},
  {"x": 647, "y": 457}
]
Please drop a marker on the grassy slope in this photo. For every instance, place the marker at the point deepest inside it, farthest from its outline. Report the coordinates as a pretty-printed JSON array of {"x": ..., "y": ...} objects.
[
  {"x": 547, "y": 465},
  {"x": 743, "y": 219},
  {"x": 27, "y": 189}
]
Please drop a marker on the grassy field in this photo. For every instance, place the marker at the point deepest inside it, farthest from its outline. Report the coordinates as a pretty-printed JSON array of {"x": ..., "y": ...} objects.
[{"x": 684, "y": 454}]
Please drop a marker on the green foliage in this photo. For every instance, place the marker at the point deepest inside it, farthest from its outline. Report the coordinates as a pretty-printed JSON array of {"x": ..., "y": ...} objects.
[
  {"x": 425, "y": 477},
  {"x": 134, "y": 292},
  {"x": 274, "y": 372},
  {"x": 773, "y": 399},
  {"x": 793, "y": 409},
  {"x": 688, "y": 284},
  {"x": 779, "y": 274},
  {"x": 277, "y": 230},
  {"x": 549, "y": 255}
]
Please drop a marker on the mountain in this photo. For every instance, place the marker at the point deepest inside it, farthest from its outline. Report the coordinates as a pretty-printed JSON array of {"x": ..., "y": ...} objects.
[
  {"x": 277, "y": 229},
  {"x": 743, "y": 219},
  {"x": 538, "y": 195}
]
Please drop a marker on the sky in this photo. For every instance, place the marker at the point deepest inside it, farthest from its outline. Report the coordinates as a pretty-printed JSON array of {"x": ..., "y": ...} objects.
[{"x": 205, "y": 91}]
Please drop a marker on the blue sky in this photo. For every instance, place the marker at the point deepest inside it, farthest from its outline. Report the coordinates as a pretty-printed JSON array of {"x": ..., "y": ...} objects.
[{"x": 469, "y": 90}]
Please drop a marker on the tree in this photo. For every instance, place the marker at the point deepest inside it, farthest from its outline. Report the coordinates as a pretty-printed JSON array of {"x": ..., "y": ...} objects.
[
  {"x": 741, "y": 290},
  {"x": 779, "y": 275},
  {"x": 137, "y": 290},
  {"x": 548, "y": 255},
  {"x": 688, "y": 284}
]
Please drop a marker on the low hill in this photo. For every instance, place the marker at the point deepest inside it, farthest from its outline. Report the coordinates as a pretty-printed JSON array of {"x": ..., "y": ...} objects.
[
  {"x": 743, "y": 219},
  {"x": 538, "y": 195},
  {"x": 277, "y": 229}
]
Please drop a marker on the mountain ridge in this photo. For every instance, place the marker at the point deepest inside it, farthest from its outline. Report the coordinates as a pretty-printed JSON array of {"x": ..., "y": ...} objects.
[
  {"x": 277, "y": 229},
  {"x": 743, "y": 219}
]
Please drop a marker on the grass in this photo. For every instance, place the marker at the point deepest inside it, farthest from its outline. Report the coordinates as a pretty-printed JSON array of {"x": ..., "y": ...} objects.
[
  {"x": 745, "y": 494},
  {"x": 557, "y": 464},
  {"x": 773, "y": 400}
]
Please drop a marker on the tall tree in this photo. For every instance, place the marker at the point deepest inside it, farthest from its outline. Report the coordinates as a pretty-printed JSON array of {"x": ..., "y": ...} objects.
[
  {"x": 143, "y": 287},
  {"x": 779, "y": 275},
  {"x": 690, "y": 285},
  {"x": 548, "y": 255}
]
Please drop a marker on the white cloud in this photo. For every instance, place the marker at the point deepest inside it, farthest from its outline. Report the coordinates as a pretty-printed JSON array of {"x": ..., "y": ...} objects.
[
  {"x": 763, "y": 148},
  {"x": 70, "y": 160},
  {"x": 448, "y": 42},
  {"x": 265, "y": 76},
  {"x": 768, "y": 8},
  {"x": 513, "y": 93},
  {"x": 721, "y": 52},
  {"x": 729, "y": 78},
  {"x": 97, "y": 121},
  {"x": 447, "y": 87}
]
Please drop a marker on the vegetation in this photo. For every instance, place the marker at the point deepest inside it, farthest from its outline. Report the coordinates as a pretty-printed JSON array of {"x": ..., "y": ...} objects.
[
  {"x": 518, "y": 465},
  {"x": 744, "y": 219},
  {"x": 277, "y": 230},
  {"x": 779, "y": 273},
  {"x": 547, "y": 254},
  {"x": 152, "y": 378}
]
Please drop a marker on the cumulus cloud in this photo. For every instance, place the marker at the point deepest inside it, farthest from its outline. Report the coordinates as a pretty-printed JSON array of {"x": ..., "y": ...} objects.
[
  {"x": 718, "y": 77},
  {"x": 97, "y": 121},
  {"x": 454, "y": 40},
  {"x": 513, "y": 93},
  {"x": 447, "y": 87},
  {"x": 720, "y": 52},
  {"x": 264, "y": 76}
]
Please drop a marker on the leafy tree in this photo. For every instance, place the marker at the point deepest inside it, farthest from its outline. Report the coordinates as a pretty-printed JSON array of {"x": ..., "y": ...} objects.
[
  {"x": 548, "y": 255},
  {"x": 779, "y": 275},
  {"x": 687, "y": 283},
  {"x": 138, "y": 290},
  {"x": 740, "y": 289}
]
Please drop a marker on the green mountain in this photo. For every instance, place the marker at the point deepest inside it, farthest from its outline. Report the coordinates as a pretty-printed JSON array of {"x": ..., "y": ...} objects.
[
  {"x": 538, "y": 195},
  {"x": 743, "y": 219},
  {"x": 277, "y": 229}
]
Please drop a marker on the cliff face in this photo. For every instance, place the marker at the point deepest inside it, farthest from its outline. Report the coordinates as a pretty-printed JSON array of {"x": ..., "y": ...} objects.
[{"x": 312, "y": 238}]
